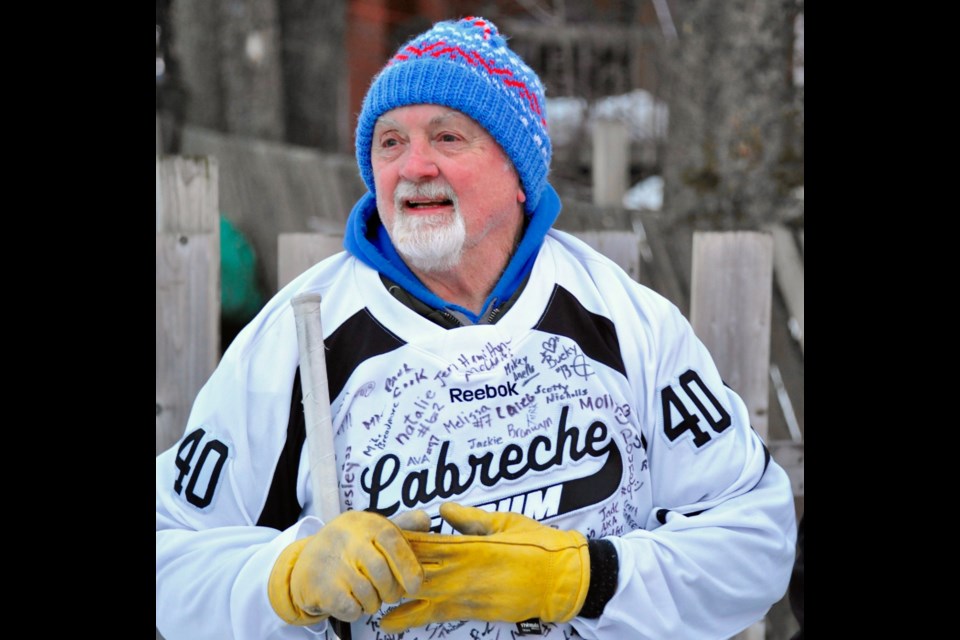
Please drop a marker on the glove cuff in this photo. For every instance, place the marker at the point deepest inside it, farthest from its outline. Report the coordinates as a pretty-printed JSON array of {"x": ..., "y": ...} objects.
[
  {"x": 604, "y": 572},
  {"x": 278, "y": 587},
  {"x": 573, "y": 573}
]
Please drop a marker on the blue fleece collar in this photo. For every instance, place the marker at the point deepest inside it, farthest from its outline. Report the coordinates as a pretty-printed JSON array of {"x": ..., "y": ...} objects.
[{"x": 366, "y": 238}]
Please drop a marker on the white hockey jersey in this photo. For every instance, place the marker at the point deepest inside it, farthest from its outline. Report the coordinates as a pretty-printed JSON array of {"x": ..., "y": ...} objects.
[{"x": 589, "y": 405}]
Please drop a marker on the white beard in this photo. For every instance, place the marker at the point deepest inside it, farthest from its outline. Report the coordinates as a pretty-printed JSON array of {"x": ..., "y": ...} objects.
[{"x": 430, "y": 243}]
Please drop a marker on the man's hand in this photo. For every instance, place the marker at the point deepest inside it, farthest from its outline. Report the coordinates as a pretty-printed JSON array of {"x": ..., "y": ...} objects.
[
  {"x": 354, "y": 564},
  {"x": 507, "y": 567}
]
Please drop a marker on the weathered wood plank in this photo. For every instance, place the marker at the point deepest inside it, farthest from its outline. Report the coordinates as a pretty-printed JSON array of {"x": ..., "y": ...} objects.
[
  {"x": 188, "y": 288},
  {"x": 665, "y": 271},
  {"x": 586, "y": 216},
  {"x": 789, "y": 455},
  {"x": 187, "y": 194},
  {"x": 786, "y": 355},
  {"x": 188, "y": 310},
  {"x": 297, "y": 252},
  {"x": 788, "y": 268},
  {"x": 623, "y": 247},
  {"x": 610, "y": 162},
  {"x": 786, "y": 404},
  {"x": 730, "y": 300},
  {"x": 756, "y": 631}
]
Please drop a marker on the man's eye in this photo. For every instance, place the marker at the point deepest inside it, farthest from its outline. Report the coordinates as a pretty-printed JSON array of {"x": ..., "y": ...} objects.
[
  {"x": 390, "y": 142},
  {"x": 448, "y": 137}
]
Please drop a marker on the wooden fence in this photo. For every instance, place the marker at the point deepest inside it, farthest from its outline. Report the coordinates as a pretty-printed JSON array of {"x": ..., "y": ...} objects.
[
  {"x": 188, "y": 288},
  {"x": 269, "y": 188}
]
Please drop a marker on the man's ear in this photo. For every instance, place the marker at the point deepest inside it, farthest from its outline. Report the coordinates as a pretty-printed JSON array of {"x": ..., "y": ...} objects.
[{"x": 521, "y": 196}]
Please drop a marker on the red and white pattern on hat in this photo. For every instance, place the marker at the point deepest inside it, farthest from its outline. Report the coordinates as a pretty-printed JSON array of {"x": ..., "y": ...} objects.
[{"x": 497, "y": 61}]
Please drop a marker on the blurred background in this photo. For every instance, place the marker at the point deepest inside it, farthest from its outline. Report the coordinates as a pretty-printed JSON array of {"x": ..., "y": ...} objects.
[
  {"x": 666, "y": 116},
  {"x": 709, "y": 94}
]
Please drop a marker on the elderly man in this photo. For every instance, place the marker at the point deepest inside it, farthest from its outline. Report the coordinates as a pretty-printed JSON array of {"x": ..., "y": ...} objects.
[{"x": 527, "y": 440}]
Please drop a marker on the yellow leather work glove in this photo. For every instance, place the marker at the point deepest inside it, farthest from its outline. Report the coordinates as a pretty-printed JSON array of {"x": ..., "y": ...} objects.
[
  {"x": 507, "y": 568},
  {"x": 354, "y": 564}
]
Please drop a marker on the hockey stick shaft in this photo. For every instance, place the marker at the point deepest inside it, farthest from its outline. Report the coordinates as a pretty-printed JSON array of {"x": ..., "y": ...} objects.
[
  {"x": 321, "y": 454},
  {"x": 316, "y": 405}
]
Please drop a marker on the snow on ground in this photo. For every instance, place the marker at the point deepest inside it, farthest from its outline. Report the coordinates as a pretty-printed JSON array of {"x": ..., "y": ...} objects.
[{"x": 646, "y": 194}]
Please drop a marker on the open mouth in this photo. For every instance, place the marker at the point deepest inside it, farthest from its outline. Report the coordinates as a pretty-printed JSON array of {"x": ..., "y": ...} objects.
[{"x": 426, "y": 204}]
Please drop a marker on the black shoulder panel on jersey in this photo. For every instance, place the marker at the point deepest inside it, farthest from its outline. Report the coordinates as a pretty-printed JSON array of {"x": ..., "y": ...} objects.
[
  {"x": 595, "y": 334},
  {"x": 282, "y": 507},
  {"x": 359, "y": 338}
]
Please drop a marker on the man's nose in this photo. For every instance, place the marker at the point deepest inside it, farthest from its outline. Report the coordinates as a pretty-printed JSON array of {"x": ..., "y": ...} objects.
[{"x": 419, "y": 163}]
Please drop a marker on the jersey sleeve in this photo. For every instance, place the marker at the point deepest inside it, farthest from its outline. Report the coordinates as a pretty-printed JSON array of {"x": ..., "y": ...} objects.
[
  {"x": 212, "y": 558},
  {"x": 718, "y": 544}
]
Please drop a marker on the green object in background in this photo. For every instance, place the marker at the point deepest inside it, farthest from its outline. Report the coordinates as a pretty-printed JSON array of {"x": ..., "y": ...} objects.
[{"x": 240, "y": 297}]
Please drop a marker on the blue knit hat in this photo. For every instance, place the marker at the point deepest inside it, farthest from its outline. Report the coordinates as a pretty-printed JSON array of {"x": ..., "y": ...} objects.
[{"x": 466, "y": 65}]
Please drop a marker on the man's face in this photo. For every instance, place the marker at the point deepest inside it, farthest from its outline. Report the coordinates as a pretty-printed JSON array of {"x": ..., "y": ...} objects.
[{"x": 445, "y": 188}]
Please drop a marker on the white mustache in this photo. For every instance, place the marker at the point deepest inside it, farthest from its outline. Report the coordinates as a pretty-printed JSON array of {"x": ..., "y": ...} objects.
[{"x": 433, "y": 190}]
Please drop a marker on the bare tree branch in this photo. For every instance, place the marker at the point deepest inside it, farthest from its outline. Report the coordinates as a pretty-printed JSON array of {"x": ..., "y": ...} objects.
[{"x": 539, "y": 12}]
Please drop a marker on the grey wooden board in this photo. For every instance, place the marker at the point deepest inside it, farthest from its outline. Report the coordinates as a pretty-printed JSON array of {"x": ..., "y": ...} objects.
[
  {"x": 300, "y": 251},
  {"x": 623, "y": 247},
  {"x": 610, "y": 168},
  {"x": 789, "y": 273},
  {"x": 187, "y": 194},
  {"x": 730, "y": 299},
  {"x": 187, "y": 287},
  {"x": 786, "y": 354},
  {"x": 789, "y": 455},
  {"x": 188, "y": 316}
]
